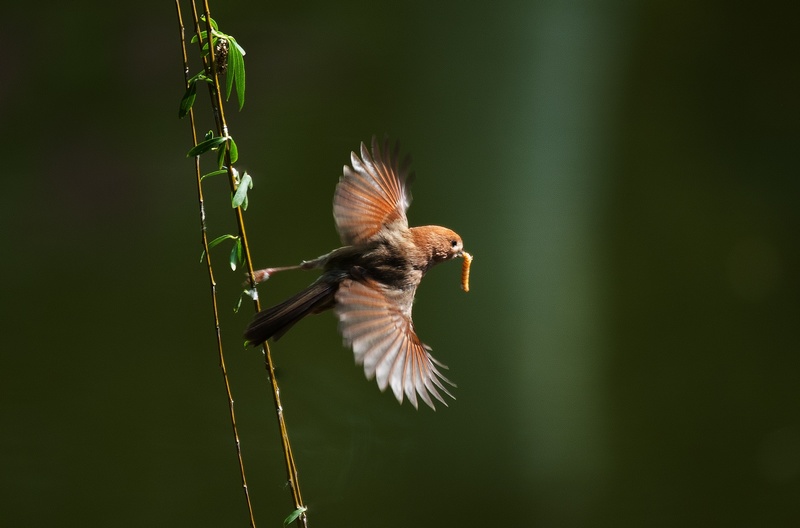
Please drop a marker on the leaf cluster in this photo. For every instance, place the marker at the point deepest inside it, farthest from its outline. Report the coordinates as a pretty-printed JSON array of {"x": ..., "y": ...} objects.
[{"x": 232, "y": 66}]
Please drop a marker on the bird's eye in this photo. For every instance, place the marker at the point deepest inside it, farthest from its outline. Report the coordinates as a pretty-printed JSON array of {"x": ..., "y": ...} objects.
[{"x": 454, "y": 243}]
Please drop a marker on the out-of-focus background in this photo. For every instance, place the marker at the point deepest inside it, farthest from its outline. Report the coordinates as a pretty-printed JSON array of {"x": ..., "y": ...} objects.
[{"x": 625, "y": 174}]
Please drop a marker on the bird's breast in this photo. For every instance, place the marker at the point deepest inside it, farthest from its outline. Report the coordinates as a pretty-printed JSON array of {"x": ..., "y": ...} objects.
[{"x": 387, "y": 261}]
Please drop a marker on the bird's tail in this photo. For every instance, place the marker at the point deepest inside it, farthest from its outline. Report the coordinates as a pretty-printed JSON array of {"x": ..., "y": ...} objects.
[{"x": 275, "y": 321}]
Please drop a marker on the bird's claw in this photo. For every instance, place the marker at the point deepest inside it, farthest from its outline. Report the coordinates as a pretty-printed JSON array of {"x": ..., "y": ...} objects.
[{"x": 260, "y": 276}]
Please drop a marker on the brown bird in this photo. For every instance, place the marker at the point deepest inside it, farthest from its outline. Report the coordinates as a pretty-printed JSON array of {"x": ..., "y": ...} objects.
[{"x": 370, "y": 282}]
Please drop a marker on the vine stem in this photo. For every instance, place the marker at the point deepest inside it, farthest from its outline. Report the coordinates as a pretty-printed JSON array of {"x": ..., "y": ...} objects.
[
  {"x": 222, "y": 130},
  {"x": 212, "y": 281}
]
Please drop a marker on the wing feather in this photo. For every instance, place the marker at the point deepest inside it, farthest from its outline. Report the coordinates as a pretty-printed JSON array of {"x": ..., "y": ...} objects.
[
  {"x": 372, "y": 193},
  {"x": 376, "y": 322}
]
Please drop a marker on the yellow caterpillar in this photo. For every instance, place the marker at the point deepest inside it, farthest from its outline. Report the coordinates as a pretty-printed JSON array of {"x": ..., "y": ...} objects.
[{"x": 465, "y": 271}]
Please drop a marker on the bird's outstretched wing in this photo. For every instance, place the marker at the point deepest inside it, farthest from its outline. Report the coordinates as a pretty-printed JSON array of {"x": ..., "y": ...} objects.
[
  {"x": 376, "y": 322},
  {"x": 372, "y": 194}
]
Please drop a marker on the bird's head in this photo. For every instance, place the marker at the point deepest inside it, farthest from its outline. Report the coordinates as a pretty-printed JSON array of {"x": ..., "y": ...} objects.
[{"x": 438, "y": 243}]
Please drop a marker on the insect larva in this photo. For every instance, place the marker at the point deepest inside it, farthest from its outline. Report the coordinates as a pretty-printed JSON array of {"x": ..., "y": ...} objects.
[{"x": 465, "y": 271}]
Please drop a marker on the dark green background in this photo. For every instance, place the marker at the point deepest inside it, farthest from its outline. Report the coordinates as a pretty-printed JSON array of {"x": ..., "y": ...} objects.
[{"x": 625, "y": 174}]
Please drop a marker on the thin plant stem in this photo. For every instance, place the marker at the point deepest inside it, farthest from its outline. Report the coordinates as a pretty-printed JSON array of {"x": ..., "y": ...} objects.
[
  {"x": 212, "y": 281},
  {"x": 291, "y": 467},
  {"x": 222, "y": 130}
]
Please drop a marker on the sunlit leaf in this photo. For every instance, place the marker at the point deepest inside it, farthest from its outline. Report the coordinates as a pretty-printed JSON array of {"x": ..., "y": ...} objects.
[
  {"x": 239, "y": 304},
  {"x": 213, "y": 22},
  {"x": 203, "y": 35},
  {"x": 213, "y": 173},
  {"x": 220, "y": 239},
  {"x": 221, "y": 158},
  {"x": 246, "y": 180},
  {"x": 205, "y": 146},
  {"x": 201, "y": 76},
  {"x": 229, "y": 77},
  {"x": 216, "y": 242},
  {"x": 237, "y": 71},
  {"x": 240, "y": 196},
  {"x": 236, "y": 44},
  {"x": 236, "y": 254},
  {"x": 294, "y": 515},
  {"x": 234, "y": 151}
]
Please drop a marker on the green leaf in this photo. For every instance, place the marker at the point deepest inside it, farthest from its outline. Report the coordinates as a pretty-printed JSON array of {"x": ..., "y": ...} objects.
[
  {"x": 213, "y": 173},
  {"x": 216, "y": 242},
  {"x": 294, "y": 515},
  {"x": 239, "y": 304},
  {"x": 229, "y": 77},
  {"x": 246, "y": 178},
  {"x": 236, "y": 254},
  {"x": 201, "y": 76},
  {"x": 221, "y": 158},
  {"x": 236, "y": 70},
  {"x": 203, "y": 35},
  {"x": 213, "y": 22},
  {"x": 240, "y": 196},
  {"x": 188, "y": 100},
  {"x": 236, "y": 44},
  {"x": 207, "y": 144},
  {"x": 234, "y": 151},
  {"x": 220, "y": 239}
]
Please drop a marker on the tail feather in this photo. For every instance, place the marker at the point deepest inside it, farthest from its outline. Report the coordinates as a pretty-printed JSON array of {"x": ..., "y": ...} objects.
[{"x": 275, "y": 321}]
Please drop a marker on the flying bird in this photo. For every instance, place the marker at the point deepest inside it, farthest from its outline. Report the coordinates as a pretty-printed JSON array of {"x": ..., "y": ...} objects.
[{"x": 370, "y": 281}]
